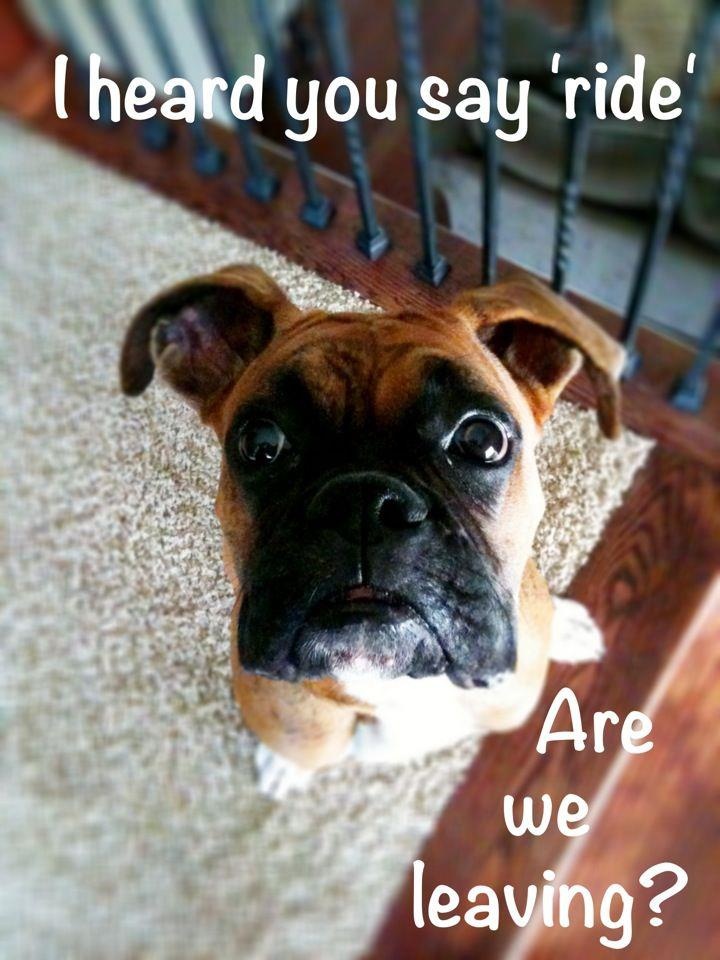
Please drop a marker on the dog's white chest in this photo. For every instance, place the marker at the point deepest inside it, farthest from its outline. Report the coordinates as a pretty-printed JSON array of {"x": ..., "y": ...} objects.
[{"x": 411, "y": 717}]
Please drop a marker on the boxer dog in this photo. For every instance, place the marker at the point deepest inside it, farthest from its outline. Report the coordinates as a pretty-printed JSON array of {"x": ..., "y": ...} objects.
[{"x": 378, "y": 499}]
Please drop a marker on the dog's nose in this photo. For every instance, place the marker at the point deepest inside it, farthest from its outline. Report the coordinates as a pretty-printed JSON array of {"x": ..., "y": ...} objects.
[{"x": 367, "y": 505}]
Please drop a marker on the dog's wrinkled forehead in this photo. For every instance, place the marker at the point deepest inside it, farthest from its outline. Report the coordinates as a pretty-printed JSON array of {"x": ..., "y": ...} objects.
[{"x": 371, "y": 369}]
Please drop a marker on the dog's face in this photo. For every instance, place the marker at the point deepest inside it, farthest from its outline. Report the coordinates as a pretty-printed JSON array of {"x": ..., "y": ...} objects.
[
  {"x": 379, "y": 493},
  {"x": 373, "y": 468}
]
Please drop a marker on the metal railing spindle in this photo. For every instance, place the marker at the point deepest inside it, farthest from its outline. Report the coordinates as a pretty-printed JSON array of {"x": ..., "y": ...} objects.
[
  {"x": 691, "y": 389},
  {"x": 491, "y": 53},
  {"x": 155, "y": 133},
  {"x": 260, "y": 183},
  {"x": 208, "y": 159},
  {"x": 433, "y": 267},
  {"x": 372, "y": 240},
  {"x": 317, "y": 210},
  {"x": 672, "y": 177},
  {"x": 578, "y": 140}
]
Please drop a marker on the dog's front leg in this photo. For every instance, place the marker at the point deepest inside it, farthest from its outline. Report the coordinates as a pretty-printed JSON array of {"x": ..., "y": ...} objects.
[
  {"x": 302, "y": 727},
  {"x": 277, "y": 777}
]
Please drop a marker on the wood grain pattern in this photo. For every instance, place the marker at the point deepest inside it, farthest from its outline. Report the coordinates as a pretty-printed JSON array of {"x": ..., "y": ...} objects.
[
  {"x": 642, "y": 825},
  {"x": 644, "y": 584}
]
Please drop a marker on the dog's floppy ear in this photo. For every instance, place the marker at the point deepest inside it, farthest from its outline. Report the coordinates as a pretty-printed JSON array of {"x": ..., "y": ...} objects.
[
  {"x": 203, "y": 332},
  {"x": 542, "y": 340}
]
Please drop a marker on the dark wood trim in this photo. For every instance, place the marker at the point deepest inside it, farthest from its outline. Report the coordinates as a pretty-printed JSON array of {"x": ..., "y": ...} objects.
[
  {"x": 631, "y": 834},
  {"x": 26, "y": 80},
  {"x": 19, "y": 41}
]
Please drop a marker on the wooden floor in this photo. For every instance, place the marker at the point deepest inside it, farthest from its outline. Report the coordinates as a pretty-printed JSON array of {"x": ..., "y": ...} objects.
[{"x": 653, "y": 584}]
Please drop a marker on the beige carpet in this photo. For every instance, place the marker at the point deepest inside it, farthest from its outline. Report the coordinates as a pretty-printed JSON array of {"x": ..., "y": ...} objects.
[{"x": 130, "y": 825}]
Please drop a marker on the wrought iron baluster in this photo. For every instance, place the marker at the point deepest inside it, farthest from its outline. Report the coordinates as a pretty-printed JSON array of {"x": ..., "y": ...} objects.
[
  {"x": 260, "y": 183},
  {"x": 155, "y": 133},
  {"x": 208, "y": 159},
  {"x": 61, "y": 26},
  {"x": 691, "y": 389},
  {"x": 433, "y": 267},
  {"x": 317, "y": 210},
  {"x": 593, "y": 12},
  {"x": 672, "y": 177},
  {"x": 372, "y": 240},
  {"x": 491, "y": 54}
]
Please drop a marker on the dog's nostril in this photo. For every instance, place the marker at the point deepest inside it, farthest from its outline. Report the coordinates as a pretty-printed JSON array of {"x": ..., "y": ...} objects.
[
  {"x": 397, "y": 511},
  {"x": 366, "y": 505},
  {"x": 390, "y": 512}
]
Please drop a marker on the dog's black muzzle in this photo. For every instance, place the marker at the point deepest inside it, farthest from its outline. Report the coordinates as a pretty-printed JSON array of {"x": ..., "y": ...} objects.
[{"x": 374, "y": 577}]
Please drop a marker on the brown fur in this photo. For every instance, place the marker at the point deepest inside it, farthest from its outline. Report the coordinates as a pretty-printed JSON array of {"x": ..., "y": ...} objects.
[{"x": 522, "y": 343}]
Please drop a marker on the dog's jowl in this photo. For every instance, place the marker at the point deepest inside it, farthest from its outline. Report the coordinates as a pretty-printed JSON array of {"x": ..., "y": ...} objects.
[{"x": 378, "y": 498}]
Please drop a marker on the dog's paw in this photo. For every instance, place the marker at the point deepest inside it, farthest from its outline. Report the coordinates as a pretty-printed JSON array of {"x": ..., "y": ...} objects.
[
  {"x": 368, "y": 745},
  {"x": 576, "y": 638},
  {"x": 277, "y": 776},
  {"x": 377, "y": 742}
]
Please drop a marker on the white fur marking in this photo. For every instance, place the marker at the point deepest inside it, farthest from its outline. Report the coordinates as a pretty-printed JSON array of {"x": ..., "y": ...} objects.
[
  {"x": 277, "y": 776},
  {"x": 413, "y": 717},
  {"x": 576, "y": 638}
]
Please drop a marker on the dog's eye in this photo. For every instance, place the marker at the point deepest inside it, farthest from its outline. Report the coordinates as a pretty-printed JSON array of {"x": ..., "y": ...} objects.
[
  {"x": 261, "y": 442},
  {"x": 481, "y": 440}
]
